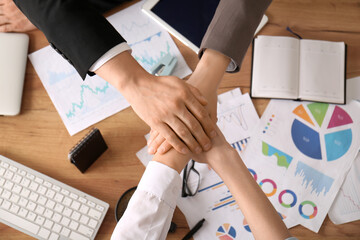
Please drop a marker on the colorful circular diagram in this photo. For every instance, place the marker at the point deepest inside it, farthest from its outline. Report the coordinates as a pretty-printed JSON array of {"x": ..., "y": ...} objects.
[
  {"x": 284, "y": 204},
  {"x": 226, "y": 232},
  {"x": 305, "y": 130},
  {"x": 301, "y": 209},
  {"x": 253, "y": 173},
  {"x": 272, "y": 183}
]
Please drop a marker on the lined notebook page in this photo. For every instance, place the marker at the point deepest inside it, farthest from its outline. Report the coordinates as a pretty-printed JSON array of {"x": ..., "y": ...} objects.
[
  {"x": 322, "y": 66},
  {"x": 275, "y": 67}
]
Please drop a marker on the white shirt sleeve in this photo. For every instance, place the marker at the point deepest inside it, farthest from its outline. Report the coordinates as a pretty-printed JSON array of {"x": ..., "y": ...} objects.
[
  {"x": 121, "y": 47},
  {"x": 150, "y": 209}
]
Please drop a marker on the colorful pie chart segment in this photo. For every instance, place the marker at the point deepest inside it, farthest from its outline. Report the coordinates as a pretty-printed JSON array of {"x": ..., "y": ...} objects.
[
  {"x": 246, "y": 225},
  {"x": 301, "y": 112},
  {"x": 318, "y": 111},
  {"x": 339, "y": 118},
  {"x": 226, "y": 232},
  {"x": 306, "y": 139},
  {"x": 337, "y": 144}
]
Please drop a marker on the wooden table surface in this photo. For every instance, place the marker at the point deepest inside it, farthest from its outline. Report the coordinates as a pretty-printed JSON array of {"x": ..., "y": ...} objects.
[{"x": 38, "y": 139}]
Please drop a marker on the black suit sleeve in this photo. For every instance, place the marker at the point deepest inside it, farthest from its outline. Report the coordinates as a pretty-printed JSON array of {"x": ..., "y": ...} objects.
[{"x": 75, "y": 29}]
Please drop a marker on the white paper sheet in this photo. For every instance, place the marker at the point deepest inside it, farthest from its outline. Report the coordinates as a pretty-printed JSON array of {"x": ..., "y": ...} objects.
[
  {"x": 301, "y": 153},
  {"x": 83, "y": 103},
  {"x": 346, "y": 207},
  {"x": 353, "y": 89}
]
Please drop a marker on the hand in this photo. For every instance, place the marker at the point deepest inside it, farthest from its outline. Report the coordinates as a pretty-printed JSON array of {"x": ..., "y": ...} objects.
[
  {"x": 167, "y": 104},
  {"x": 12, "y": 19}
]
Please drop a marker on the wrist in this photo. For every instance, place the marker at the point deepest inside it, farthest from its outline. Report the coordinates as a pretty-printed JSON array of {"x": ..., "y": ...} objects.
[{"x": 123, "y": 72}]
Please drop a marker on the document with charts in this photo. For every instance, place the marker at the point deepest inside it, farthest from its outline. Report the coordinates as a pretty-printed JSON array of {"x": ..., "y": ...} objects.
[
  {"x": 83, "y": 103},
  {"x": 300, "y": 153}
]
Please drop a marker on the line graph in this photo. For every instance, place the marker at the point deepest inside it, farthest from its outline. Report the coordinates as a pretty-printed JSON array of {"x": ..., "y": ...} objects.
[
  {"x": 234, "y": 116},
  {"x": 80, "y": 105}
]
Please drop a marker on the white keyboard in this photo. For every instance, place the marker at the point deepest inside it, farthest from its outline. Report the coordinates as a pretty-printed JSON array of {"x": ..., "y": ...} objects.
[{"x": 45, "y": 208}]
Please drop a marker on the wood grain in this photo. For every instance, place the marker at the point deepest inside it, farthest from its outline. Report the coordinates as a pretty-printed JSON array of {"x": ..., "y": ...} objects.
[{"x": 38, "y": 139}]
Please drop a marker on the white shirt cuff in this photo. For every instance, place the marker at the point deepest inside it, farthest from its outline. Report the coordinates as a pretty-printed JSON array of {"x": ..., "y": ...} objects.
[
  {"x": 121, "y": 47},
  {"x": 232, "y": 66},
  {"x": 161, "y": 181}
]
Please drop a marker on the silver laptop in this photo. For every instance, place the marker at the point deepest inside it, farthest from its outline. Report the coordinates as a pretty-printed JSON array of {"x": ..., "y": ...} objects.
[{"x": 13, "y": 57}]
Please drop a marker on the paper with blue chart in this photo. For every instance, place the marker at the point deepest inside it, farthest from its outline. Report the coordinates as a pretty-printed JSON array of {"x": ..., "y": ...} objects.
[
  {"x": 301, "y": 152},
  {"x": 83, "y": 103}
]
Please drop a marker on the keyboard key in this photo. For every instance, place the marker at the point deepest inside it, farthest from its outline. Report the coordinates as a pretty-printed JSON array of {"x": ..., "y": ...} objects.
[
  {"x": 2, "y": 170},
  {"x": 77, "y": 236},
  {"x": 50, "y": 193},
  {"x": 48, "y": 213},
  {"x": 2, "y": 181},
  {"x": 23, "y": 212},
  {"x": 25, "y": 182},
  {"x": 4, "y": 164},
  {"x": 44, "y": 233},
  {"x": 65, "y": 192},
  {"x": 6, "y": 194},
  {"x": 74, "y": 196},
  {"x": 67, "y": 201},
  {"x": 84, "y": 209},
  {"x": 100, "y": 208},
  {"x": 31, "y": 206},
  {"x": 84, "y": 219},
  {"x": 14, "y": 198},
  {"x": 75, "y": 205},
  {"x": 8, "y": 185},
  {"x": 56, "y": 228},
  {"x": 41, "y": 190},
  {"x": 54, "y": 236},
  {"x": 82, "y": 200},
  {"x": 14, "y": 208},
  {"x": 67, "y": 212},
  {"x": 56, "y": 217},
  {"x": 65, "y": 232},
  {"x": 23, "y": 202},
  {"x": 59, "y": 197},
  {"x": 56, "y": 188},
  {"x": 42, "y": 200},
  {"x": 13, "y": 168},
  {"x": 65, "y": 221},
  {"x": 19, "y": 222},
  {"x": 17, "y": 189},
  {"x": 39, "y": 220},
  {"x": 59, "y": 208},
  {"x": 47, "y": 184},
  {"x": 22, "y": 172},
  {"x": 33, "y": 196},
  {"x": 8, "y": 174},
  {"x": 48, "y": 224},
  {"x": 17, "y": 178},
  {"x": 33, "y": 186},
  {"x": 75, "y": 216},
  {"x": 50, "y": 204},
  {"x": 86, "y": 231},
  {"x": 25, "y": 193},
  {"x": 39, "y": 180},
  {"x": 6, "y": 204},
  {"x": 91, "y": 204},
  {"x": 73, "y": 225},
  {"x": 30, "y": 176},
  {"x": 93, "y": 223},
  {"x": 31, "y": 216},
  {"x": 40, "y": 210},
  {"x": 94, "y": 214}
]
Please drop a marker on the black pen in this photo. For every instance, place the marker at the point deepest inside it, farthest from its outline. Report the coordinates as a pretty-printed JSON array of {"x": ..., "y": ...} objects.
[{"x": 194, "y": 229}]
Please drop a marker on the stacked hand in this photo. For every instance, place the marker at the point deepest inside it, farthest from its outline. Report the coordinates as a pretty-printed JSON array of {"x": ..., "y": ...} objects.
[{"x": 12, "y": 19}]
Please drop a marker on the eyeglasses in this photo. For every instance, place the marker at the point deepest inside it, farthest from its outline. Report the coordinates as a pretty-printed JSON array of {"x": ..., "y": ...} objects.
[{"x": 191, "y": 180}]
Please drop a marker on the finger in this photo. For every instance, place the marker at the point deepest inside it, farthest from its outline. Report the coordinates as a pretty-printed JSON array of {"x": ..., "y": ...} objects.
[
  {"x": 196, "y": 130},
  {"x": 3, "y": 20},
  {"x": 185, "y": 135},
  {"x": 155, "y": 144},
  {"x": 172, "y": 138},
  {"x": 198, "y": 95},
  {"x": 164, "y": 147},
  {"x": 202, "y": 116},
  {"x": 153, "y": 135},
  {"x": 5, "y": 28}
]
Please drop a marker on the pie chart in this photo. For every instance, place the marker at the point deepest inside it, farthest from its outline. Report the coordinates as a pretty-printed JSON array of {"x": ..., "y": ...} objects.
[
  {"x": 226, "y": 232},
  {"x": 305, "y": 133}
]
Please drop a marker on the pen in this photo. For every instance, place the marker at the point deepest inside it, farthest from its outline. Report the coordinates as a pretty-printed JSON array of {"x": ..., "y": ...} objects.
[{"x": 194, "y": 229}]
